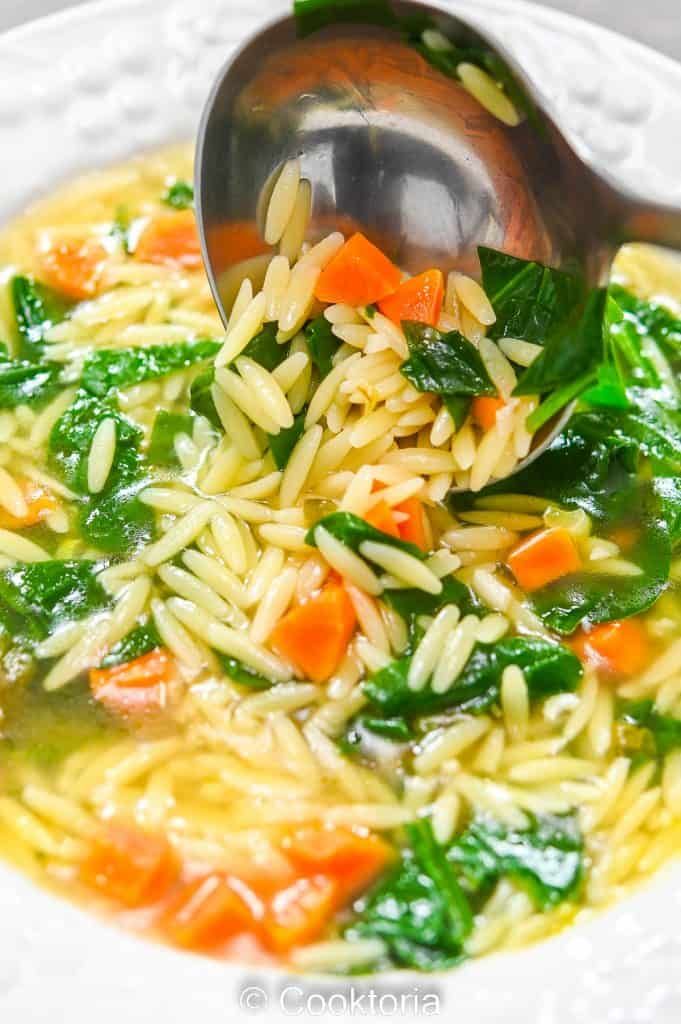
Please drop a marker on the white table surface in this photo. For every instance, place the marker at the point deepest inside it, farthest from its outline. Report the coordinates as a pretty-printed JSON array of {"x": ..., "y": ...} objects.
[{"x": 655, "y": 22}]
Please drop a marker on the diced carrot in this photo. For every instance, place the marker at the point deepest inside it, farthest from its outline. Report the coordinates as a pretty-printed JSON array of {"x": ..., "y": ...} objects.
[
  {"x": 298, "y": 915},
  {"x": 382, "y": 518},
  {"x": 419, "y": 298},
  {"x": 130, "y": 866},
  {"x": 148, "y": 670},
  {"x": 621, "y": 647},
  {"x": 206, "y": 913},
  {"x": 315, "y": 635},
  {"x": 484, "y": 410},
  {"x": 135, "y": 687},
  {"x": 543, "y": 557},
  {"x": 40, "y": 502},
  {"x": 171, "y": 239},
  {"x": 74, "y": 267},
  {"x": 358, "y": 274},
  {"x": 352, "y": 859},
  {"x": 413, "y": 528}
]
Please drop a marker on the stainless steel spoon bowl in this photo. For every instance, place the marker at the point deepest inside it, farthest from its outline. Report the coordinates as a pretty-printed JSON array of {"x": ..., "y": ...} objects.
[{"x": 394, "y": 147}]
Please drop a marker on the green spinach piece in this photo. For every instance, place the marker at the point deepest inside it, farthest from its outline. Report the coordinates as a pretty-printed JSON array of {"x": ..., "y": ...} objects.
[
  {"x": 243, "y": 674},
  {"x": 115, "y": 520},
  {"x": 353, "y": 531},
  {"x": 179, "y": 195},
  {"x": 458, "y": 407},
  {"x": 546, "y": 859},
  {"x": 311, "y": 15},
  {"x": 396, "y": 729},
  {"x": 653, "y": 426},
  {"x": 660, "y": 734},
  {"x": 265, "y": 349},
  {"x": 162, "y": 443},
  {"x": 594, "y": 465},
  {"x": 597, "y": 597},
  {"x": 572, "y": 347},
  {"x": 420, "y": 909},
  {"x": 138, "y": 642},
  {"x": 650, "y": 319},
  {"x": 201, "y": 399},
  {"x": 322, "y": 343},
  {"x": 445, "y": 364},
  {"x": 117, "y": 369},
  {"x": 23, "y": 383},
  {"x": 283, "y": 443},
  {"x": 38, "y": 597},
  {"x": 548, "y": 667},
  {"x": 36, "y": 309},
  {"x": 529, "y": 299}
]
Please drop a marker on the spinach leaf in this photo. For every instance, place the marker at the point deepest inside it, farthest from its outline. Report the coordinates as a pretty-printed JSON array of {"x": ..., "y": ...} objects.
[
  {"x": 242, "y": 674},
  {"x": 658, "y": 734},
  {"x": 411, "y": 603},
  {"x": 624, "y": 349},
  {"x": 597, "y": 597},
  {"x": 548, "y": 668},
  {"x": 322, "y": 343},
  {"x": 353, "y": 531},
  {"x": 116, "y": 369},
  {"x": 446, "y": 364},
  {"x": 115, "y": 520},
  {"x": 72, "y": 434},
  {"x": 571, "y": 347},
  {"x": 24, "y": 383},
  {"x": 179, "y": 195},
  {"x": 420, "y": 910},
  {"x": 265, "y": 349},
  {"x": 36, "y": 598},
  {"x": 162, "y": 443},
  {"x": 458, "y": 407},
  {"x": 650, "y": 319},
  {"x": 201, "y": 399},
  {"x": 139, "y": 641},
  {"x": 36, "y": 309},
  {"x": 653, "y": 427},
  {"x": 283, "y": 443},
  {"x": 396, "y": 729},
  {"x": 668, "y": 490},
  {"x": 582, "y": 468},
  {"x": 311, "y": 15},
  {"x": 529, "y": 299},
  {"x": 593, "y": 465},
  {"x": 547, "y": 858},
  {"x": 607, "y": 391}
]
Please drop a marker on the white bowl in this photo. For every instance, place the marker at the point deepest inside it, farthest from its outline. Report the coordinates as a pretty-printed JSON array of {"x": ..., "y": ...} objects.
[{"x": 96, "y": 84}]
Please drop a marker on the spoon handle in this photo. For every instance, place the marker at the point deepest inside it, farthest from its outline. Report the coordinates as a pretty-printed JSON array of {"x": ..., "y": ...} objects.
[{"x": 641, "y": 221}]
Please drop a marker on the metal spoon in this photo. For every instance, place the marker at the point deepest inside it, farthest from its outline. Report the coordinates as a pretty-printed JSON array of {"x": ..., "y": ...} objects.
[{"x": 394, "y": 147}]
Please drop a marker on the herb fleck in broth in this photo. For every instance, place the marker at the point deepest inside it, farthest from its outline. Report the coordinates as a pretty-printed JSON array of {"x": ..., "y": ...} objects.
[{"x": 265, "y": 685}]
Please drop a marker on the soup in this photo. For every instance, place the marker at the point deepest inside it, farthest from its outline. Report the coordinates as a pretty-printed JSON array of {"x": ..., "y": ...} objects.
[{"x": 271, "y": 687}]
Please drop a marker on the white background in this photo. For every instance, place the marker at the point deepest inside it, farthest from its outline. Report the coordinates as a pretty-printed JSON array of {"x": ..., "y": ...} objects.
[{"x": 656, "y": 22}]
